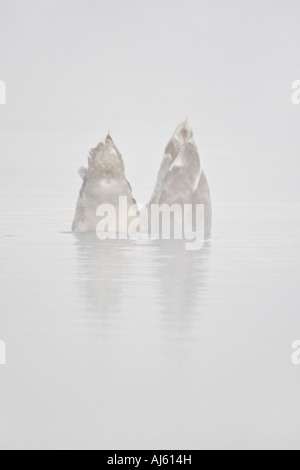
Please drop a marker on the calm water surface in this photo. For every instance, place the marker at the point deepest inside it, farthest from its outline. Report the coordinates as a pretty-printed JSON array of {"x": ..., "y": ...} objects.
[{"x": 127, "y": 345}]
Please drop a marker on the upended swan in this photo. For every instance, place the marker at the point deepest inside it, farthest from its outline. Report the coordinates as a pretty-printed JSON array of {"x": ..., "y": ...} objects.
[
  {"x": 104, "y": 181},
  {"x": 181, "y": 180}
]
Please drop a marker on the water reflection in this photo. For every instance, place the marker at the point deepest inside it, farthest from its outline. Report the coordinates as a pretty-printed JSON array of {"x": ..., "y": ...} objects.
[
  {"x": 118, "y": 277},
  {"x": 183, "y": 277},
  {"x": 101, "y": 274}
]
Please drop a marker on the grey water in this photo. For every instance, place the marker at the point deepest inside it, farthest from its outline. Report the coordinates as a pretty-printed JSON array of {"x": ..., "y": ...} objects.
[{"x": 140, "y": 345}]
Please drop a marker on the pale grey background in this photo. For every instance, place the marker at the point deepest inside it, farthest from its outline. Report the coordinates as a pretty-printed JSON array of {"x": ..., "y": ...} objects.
[
  {"x": 75, "y": 69},
  {"x": 137, "y": 345}
]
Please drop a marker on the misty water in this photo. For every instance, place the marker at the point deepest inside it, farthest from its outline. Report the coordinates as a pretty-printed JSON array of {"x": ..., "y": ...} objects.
[
  {"x": 128, "y": 345},
  {"x": 140, "y": 345}
]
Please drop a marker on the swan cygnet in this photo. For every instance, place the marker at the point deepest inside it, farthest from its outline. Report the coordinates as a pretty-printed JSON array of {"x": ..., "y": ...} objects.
[
  {"x": 181, "y": 179},
  {"x": 104, "y": 182}
]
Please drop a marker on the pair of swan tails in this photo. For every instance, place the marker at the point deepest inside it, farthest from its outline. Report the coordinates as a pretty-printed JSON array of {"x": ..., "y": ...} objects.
[{"x": 180, "y": 180}]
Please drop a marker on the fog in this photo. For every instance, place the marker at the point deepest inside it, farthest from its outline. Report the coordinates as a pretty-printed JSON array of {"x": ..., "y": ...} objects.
[
  {"x": 76, "y": 69},
  {"x": 143, "y": 344}
]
